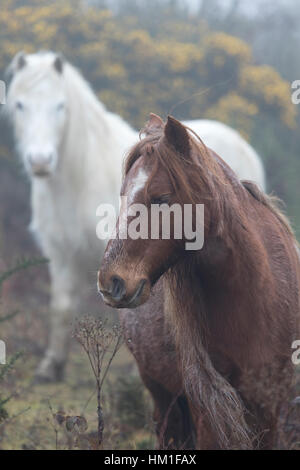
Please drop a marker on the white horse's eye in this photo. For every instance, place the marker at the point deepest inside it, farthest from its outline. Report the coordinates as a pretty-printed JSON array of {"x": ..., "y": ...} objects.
[
  {"x": 19, "y": 106},
  {"x": 60, "y": 106}
]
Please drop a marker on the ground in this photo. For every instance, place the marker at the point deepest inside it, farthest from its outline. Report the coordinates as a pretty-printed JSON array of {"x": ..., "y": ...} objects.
[
  {"x": 64, "y": 415},
  {"x": 31, "y": 424},
  {"x": 31, "y": 421}
]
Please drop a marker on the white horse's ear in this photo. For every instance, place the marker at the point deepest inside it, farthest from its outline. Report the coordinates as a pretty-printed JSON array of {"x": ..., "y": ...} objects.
[
  {"x": 177, "y": 135},
  {"x": 20, "y": 60},
  {"x": 18, "y": 63},
  {"x": 155, "y": 123},
  {"x": 59, "y": 63}
]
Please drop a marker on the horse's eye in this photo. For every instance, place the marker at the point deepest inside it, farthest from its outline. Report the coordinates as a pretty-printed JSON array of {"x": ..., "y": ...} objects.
[
  {"x": 19, "y": 106},
  {"x": 60, "y": 106},
  {"x": 160, "y": 200}
]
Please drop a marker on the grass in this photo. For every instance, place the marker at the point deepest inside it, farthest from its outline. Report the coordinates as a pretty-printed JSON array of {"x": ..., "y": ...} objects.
[
  {"x": 39, "y": 415},
  {"x": 32, "y": 426},
  {"x": 32, "y": 409}
]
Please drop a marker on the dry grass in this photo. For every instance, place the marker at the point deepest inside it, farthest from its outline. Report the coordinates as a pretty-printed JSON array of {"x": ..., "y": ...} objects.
[
  {"x": 46, "y": 416},
  {"x": 64, "y": 415}
]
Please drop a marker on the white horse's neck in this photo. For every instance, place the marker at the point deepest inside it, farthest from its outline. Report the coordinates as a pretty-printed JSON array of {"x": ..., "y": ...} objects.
[{"x": 90, "y": 133}]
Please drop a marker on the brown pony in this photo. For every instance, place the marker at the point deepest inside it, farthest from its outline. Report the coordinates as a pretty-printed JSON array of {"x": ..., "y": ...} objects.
[{"x": 211, "y": 329}]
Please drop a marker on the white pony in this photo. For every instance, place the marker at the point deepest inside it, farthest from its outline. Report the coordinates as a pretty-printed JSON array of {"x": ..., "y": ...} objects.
[{"x": 72, "y": 148}]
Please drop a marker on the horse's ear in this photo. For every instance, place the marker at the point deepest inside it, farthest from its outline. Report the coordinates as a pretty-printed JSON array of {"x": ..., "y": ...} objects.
[
  {"x": 177, "y": 135},
  {"x": 59, "y": 63},
  {"x": 154, "y": 123},
  {"x": 18, "y": 63},
  {"x": 20, "y": 60}
]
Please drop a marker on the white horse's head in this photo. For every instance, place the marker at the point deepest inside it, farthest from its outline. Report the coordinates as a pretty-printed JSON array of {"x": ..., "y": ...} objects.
[{"x": 38, "y": 107}]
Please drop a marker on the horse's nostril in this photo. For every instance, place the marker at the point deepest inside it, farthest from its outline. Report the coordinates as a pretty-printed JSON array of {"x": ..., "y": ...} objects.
[{"x": 118, "y": 289}]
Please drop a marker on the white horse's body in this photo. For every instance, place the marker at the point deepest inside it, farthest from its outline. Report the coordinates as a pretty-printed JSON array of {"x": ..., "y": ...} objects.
[
  {"x": 73, "y": 149},
  {"x": 229, "y": 144}
]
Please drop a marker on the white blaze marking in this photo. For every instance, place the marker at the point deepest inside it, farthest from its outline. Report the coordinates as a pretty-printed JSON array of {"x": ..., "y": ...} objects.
[{"x": 136, "y": 185}]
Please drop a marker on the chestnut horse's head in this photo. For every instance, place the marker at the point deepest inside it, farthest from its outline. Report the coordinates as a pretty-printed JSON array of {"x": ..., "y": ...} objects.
[{"x": 161, "y": 172}]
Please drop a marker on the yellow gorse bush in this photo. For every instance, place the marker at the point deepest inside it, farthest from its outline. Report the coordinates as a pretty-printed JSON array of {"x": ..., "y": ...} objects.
[
  {"x": 274, "y": 93},
  {"x": 229, "y": 45},
  {"x": 184, "y": 68},
  {"x": 235, "y": 109}
]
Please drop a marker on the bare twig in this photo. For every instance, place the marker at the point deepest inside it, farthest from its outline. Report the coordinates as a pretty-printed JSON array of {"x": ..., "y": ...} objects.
[{"x": 99, "y": 342}]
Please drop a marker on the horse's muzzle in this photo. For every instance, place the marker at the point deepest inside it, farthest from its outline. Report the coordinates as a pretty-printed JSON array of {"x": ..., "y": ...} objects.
[
  {"x": 41, "y": 165},
  {"x": 119, "y": 294}
]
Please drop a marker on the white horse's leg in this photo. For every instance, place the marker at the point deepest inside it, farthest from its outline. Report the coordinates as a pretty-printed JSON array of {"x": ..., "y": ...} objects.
[{"x": 64, "y": 305}]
